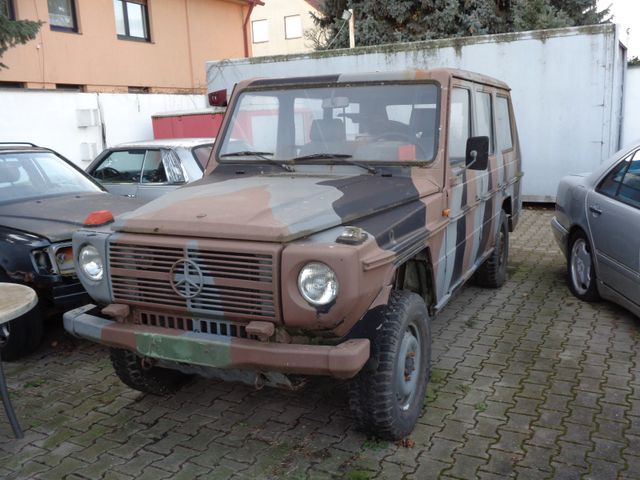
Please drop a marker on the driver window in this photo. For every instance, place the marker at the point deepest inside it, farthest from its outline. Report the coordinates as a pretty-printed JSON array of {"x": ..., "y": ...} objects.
[
  {"x": 120, "y": 167},
  {"x": 459, "y": 125}
]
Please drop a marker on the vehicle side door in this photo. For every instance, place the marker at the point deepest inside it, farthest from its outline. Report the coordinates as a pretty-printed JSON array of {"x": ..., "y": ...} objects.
[
  {"x": 613, "y": 213},
  {"x": 120, "y": 170},
  {"x": 161, "y": 173},
  {"x": 470, "y": 115}
]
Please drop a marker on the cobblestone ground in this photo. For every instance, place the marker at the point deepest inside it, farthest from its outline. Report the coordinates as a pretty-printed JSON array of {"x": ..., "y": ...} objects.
[{"x": 527, "y": 382}]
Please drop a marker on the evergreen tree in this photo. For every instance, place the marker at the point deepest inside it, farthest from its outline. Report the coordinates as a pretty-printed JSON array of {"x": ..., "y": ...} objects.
[
  {"x": 389, "y": 21},
  {"x": 14, "y": 32}
]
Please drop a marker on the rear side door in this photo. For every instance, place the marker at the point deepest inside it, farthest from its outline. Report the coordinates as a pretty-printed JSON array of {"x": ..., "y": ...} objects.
[
  {"x": 120, "y": 170},
  {"x": 613, "y": 212}
]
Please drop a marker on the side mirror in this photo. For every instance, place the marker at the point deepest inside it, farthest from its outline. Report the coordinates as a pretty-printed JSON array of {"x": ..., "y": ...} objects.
[
  {"x": 218, "y": 98},
  {"x": 477, "y": 157}
]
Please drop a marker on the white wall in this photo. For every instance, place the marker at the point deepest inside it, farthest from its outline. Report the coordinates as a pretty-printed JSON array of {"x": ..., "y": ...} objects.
[
  {"x": 51, "y": 118},
  {"x": 566, "y": 88},
  {"x": 631, "y": 130}
]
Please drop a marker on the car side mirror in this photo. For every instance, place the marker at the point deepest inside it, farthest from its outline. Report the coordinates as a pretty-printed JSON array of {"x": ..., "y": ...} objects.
[{"x": 477, "y": 157}]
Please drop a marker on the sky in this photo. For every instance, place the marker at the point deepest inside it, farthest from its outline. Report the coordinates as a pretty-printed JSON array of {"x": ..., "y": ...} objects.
[{"x": 627, "y": 14}]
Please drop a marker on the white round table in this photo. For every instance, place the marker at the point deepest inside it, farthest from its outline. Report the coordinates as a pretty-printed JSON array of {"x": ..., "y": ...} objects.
[{"x": 15, "y": 301}]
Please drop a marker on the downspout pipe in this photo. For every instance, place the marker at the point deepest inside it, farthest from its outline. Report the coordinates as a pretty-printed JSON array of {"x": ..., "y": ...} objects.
[{"x": 245, "y": 36}]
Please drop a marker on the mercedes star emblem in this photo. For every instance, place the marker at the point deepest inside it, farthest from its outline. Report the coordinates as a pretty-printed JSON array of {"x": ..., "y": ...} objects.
[{"x": 186, "y": 278}]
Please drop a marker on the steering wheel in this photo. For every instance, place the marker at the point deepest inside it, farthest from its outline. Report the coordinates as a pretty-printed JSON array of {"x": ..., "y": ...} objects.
[{"x": 107, "y": 171}]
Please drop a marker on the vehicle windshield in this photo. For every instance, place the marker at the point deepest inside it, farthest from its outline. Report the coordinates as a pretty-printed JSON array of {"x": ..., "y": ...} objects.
[
  {"x": 382, "y": 123},
  {"x": 27, "y": 175}
]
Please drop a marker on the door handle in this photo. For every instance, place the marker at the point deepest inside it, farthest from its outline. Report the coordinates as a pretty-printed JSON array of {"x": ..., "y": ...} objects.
[
  {"x": 130, "y": 195},
  {"x": 595, "y": 209}
]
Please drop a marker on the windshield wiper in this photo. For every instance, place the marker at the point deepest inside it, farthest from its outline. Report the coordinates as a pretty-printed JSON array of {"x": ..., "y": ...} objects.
[
  {"x": 341, "y": 156},
  {"x": 260, "y": 155}
]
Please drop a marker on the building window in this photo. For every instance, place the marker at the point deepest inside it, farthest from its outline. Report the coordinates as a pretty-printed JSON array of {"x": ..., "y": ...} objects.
[
  {"x": 62, "y": 15},
  {"x": 70, "y": 87},
  {"x": 132, "y": 19},
  {"x": 8, "y": 9},
  {"x": 292, "y": 27},
  {"x": 138, "y": 89},
  {"x": 260, "y": 31}
]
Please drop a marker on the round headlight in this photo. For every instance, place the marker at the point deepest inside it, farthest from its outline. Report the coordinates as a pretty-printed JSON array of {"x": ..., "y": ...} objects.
[
  {"x": 91, "y": 262},
  {"x": 318, "y": 284}
]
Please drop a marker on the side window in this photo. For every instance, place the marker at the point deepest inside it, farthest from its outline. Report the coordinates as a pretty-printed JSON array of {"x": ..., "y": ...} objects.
[
  {"x": 503, "y": 122},
  {"x": 623, "y": 182},
  {"x": 484, "y": 117},
  {"x": 153, "y": 170},
  {"x": 459, "y": 124},
  {"x": 121, "y": 167},
  {"x": 630, "y": 188}
]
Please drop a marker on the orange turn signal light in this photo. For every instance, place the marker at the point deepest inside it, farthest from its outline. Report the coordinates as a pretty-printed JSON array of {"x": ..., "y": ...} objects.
[{"x": 99, "y": 217}]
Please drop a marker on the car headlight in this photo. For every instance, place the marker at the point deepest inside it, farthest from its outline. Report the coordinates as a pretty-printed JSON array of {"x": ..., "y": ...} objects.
[
  {"x": 318, "y": 284},
  {"x": 91, "y": 262}
]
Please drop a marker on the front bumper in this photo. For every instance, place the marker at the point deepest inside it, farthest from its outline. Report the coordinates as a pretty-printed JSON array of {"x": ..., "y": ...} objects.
[
  {"x": 561, "y": 235},
  {"x": 217, "y": 351}
]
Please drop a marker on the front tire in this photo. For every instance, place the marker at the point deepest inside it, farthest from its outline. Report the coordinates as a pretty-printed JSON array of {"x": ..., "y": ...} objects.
[
  {"x": 147, "y": 379},
  {"x": 581, "y": 270},
  {"x": 387, "y": 396}
]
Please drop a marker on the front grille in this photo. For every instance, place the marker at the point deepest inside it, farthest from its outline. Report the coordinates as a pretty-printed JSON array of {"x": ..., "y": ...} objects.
[
  {"x": 238, "y": 280},
  {"x": 200, "y": 325}
]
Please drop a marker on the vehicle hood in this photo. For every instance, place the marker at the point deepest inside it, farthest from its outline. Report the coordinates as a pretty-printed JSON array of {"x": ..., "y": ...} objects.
[
  {"x": 56, "y": 218},
  {"x": 278, "y": 208}
]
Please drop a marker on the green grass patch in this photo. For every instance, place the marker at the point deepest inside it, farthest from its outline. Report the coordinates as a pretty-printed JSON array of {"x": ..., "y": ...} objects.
[
  {"x": 358, "y": 475},
  {"x": 480, "y": 406},
  {"x": 375, "y": 444}
]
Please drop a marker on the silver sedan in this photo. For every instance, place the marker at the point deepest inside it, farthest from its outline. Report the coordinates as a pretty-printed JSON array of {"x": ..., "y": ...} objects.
[
  {"x": 597, "y": 225},
  {"x": 146, "y": 170}
]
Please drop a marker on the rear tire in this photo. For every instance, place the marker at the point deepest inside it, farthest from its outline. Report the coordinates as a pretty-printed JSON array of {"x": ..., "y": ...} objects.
[
  {"x": 153, "y": 380},
  {"x": 493, "y": 272},
  {"x": 580, "y": 269},
  {"x": 387, "y": 396}
]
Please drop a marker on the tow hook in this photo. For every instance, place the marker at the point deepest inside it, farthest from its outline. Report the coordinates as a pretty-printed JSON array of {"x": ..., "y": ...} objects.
[{"x": 147, "y": 363}]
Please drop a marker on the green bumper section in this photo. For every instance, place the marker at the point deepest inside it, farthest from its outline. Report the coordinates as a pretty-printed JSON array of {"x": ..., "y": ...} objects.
[{"x": 186, "y": 348}]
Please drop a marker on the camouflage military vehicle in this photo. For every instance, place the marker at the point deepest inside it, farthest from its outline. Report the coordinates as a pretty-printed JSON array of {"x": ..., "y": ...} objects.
[{"x": 336, "y": 216}]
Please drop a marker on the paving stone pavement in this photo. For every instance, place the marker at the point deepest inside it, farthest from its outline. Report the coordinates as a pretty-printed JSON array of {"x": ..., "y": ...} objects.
[{"x": 527, "y": 382}]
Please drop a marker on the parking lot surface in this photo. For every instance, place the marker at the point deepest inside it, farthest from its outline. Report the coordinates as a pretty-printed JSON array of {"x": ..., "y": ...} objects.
[{"x": 527, "y": 382}]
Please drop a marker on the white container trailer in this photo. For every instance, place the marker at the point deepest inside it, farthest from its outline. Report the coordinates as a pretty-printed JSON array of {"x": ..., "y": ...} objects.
[{"x": 567, "y": 88}]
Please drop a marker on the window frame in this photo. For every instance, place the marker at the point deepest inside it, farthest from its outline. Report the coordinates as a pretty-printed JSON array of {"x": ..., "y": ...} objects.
[
  {"x": 11, "y": 10},
  {"x": 74, "y": 17},
  {"x": 510, "y": 118},
  {"x": 146, "y": 24},
  {"x": 253, "y": 37},
  {"x": 492, "y": 118},
  {"x": 286, "y": 37},
  {"x": 460, "y": 161}
]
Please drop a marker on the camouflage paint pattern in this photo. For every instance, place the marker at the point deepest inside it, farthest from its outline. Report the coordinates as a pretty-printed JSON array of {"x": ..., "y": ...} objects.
[{"x": 242, "y": 234}]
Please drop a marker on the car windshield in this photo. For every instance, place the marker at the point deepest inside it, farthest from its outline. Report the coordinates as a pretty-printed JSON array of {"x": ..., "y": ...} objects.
[
  {"x": 380, "y": 123},
  {"x": 27, "y": 175}
]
